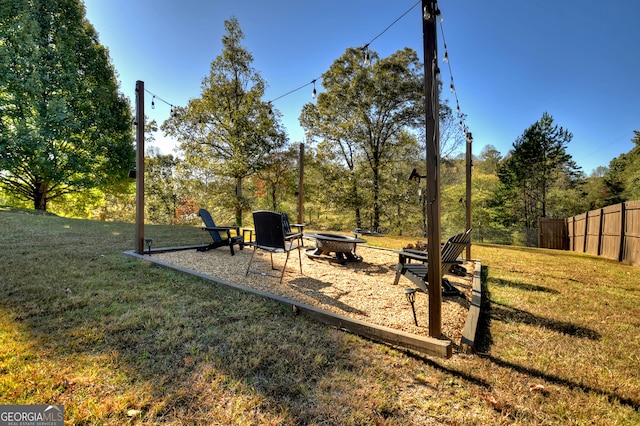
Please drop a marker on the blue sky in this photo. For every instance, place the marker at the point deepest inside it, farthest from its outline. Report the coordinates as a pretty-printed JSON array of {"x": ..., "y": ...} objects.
[{"x": 511, "y": 60}]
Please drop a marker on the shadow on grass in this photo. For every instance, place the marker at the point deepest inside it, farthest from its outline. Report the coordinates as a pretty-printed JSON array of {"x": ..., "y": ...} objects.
[
  {"x": 506, "y": 313},
  {"x": 524, "y": 286},
  {"x": 484, "y": 341},
  {"x": 612, "y": 396}
]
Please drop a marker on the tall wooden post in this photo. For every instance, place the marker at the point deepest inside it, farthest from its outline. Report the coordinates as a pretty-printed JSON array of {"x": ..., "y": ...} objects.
[
  {"x": 432, "y": 107},
  {"x": 468, "y": 202},
  {"x": 301, "y": 185},
  {"x": 140, "y": 167}
]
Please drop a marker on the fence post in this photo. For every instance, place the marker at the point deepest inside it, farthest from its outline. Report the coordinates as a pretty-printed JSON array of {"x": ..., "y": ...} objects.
[
  {"x": 600, "y": 236},
  {"x": 622, "y": 227},
  {"x": 586, "y": 232}
]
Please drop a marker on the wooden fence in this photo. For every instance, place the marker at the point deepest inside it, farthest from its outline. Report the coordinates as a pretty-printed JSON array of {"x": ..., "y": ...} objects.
[{"x": 612, "y": 232}]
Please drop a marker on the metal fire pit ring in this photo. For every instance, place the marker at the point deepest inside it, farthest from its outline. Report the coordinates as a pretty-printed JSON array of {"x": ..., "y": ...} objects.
[{"x": 343, "y": 248}]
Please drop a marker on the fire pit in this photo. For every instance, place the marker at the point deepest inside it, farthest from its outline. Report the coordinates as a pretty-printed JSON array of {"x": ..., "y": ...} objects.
[{"x": 343, "y": 248}]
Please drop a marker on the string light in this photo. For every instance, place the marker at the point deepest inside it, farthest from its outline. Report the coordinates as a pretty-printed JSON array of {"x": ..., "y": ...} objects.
[
  {"x": 426, "y": 14},
  {"x": 367, "y": 61},
  {"x": 367, "y": 55},
  {"x": 452, "y": 86},
  {"x": 153, "y": 100}
]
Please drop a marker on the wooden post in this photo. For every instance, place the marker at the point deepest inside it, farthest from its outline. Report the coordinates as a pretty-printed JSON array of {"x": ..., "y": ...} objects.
[
  {"x": 431, "y": 100},
  {"x": 586, "y": 233},
  {"x": 623, "y": 223},
  {"x": 140, "y": 167},
  {"x": 600, "y": 227},
  {"x": 301, "y": 185},
  {"x": 468, "y": 203}
]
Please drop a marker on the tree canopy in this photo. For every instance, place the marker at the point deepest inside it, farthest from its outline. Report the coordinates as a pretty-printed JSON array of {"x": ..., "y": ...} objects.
[
  {"x": 537, "y": 164},
  {"x": 64, "y": 126},
  {"x": 364, "y": 115},
  {"x": 228, "y": 132}
]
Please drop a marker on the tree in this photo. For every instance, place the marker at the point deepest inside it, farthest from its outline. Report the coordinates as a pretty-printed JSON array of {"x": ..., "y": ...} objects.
[
  {"x": 489, "y": 160},
  {"x": 278, "y": 179},
  {"x": 161, "y": 189},
  {"x": 364, "y": 112},
  {"x": 537, "y": 164},
  {"x": 622, "y": 179},
  {"x": 64, "y": 126},
  {"x": 228, "y": 132}
]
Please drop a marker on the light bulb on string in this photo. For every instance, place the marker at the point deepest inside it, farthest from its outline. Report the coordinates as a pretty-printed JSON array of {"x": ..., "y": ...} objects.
[
  {"x": 270, "y": 111},
  {"x": 314, "y": 93},
  {"x": 153, "y": 103},
  {"x": 367, "y": 56},
  {"x": 445, "y": 59},
  {"x": 426, "y": 14}
]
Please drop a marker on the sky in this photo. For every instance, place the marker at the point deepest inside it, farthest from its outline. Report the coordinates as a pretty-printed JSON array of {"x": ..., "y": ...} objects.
[{"x": 511, "y": 60}]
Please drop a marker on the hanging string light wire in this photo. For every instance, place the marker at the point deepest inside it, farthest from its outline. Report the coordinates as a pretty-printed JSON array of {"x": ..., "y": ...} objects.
[
  {"x": 393, "y": 23},
  {"x": 295, "y": 90},
  {"x": 365, "y": 49},
  {"x": 452, "y": 86},
  {"x": 313, "y": 82},
  {"x": 154, "y": 97}
]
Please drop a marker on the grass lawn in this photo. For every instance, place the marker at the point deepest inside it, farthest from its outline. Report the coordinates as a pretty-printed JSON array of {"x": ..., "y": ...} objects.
[{"x": 120, "y": 341}]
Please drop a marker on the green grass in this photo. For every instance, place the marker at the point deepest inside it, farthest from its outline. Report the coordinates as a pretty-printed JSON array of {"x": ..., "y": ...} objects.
[{"x": 121, "y": 341}]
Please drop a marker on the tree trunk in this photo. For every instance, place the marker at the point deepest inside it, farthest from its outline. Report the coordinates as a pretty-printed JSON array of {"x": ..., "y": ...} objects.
[
  {"x": 376, "y": 197},
  {"x": 40, "y": 196},
  {"x": 238, "y": 209}
]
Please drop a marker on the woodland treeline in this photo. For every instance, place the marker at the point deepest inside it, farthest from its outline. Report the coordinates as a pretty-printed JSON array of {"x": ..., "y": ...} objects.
[{"x": 69, "y": 153}]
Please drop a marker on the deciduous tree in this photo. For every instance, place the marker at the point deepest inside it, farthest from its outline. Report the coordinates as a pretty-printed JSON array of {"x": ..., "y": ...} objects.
[
  {"x": 64, "y": 126},
  {"x": 363, "y": 114},
  {"x": 228, "y": 132}
]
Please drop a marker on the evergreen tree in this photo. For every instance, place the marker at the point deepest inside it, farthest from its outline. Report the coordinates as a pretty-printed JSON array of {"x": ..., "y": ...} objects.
[
  {"x": 622, "y": 179},
  {"x": 64, "y": 126},
  {"x": 537, "y": 164}
]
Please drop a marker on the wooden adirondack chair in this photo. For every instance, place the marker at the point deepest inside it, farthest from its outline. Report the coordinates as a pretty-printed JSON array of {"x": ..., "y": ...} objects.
[
  {"x": 221, "y": 235},
  {"x": 417, "y": 272}
]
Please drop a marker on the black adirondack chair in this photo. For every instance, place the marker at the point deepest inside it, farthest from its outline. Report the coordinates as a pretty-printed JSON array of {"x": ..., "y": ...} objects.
[
  {"x": 417, "y": 272},
  {"x": 221, "y": 235}
]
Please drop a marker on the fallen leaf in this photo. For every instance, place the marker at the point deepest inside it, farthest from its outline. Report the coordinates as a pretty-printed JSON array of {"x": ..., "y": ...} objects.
[
  {"x": 536, "y": 388},
  {"x": 491, "y": 400},
  {"x": 133, "y": 413}
]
